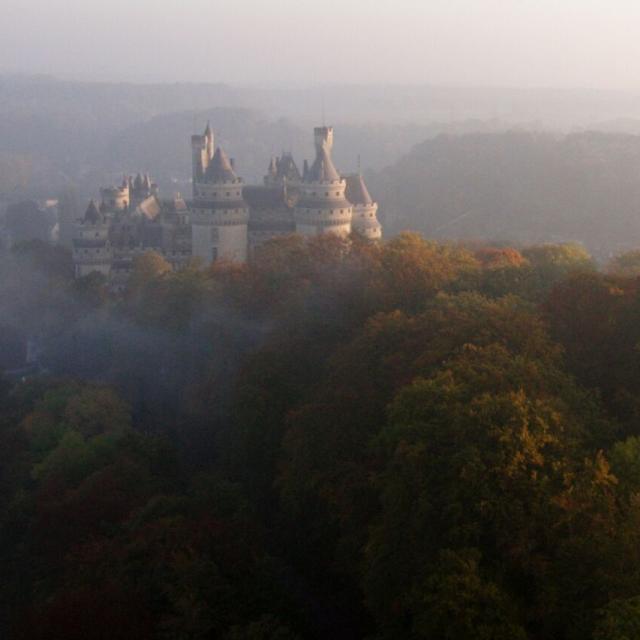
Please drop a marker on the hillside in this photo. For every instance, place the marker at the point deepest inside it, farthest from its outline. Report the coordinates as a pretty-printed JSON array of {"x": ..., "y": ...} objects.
[{"x": 517, "y": 187}]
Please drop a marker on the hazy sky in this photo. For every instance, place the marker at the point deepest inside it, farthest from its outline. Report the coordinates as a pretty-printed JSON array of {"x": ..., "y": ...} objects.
[{"x": 559, "y": 43}]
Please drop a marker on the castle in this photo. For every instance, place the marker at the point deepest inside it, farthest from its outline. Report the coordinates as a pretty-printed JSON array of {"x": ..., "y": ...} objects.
[{"x": 225, "y": 219}]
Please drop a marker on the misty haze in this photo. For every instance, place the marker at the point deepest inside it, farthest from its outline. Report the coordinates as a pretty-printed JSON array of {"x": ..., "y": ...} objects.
[{"x": 319, "y": 320}]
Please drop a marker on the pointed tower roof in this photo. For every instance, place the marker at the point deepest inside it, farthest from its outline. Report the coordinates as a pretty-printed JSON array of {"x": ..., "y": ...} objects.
[
  {"x": 208, "y": 132},
  {"x": 147, "y": 181},
  {"x": 287, "y": 168},
  {"x": 137, "y": 183},
  {"x": 220, "y": 169},
  {"x": 273, "y": 167},
  {"x": 323, "y": 169},
  {"x": 93, "y": 215},
  {"x": 357, "y": 192}
]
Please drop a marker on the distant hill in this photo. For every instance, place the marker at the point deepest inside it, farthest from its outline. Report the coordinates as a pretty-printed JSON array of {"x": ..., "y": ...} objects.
[
  {"x": 55, "y": 133},
  {"x": 518, "y": 187}
]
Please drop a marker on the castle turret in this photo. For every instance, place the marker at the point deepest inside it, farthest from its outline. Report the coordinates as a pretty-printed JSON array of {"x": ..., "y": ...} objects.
[
  {"x": 91, "y": 247},
  {"x": 142, "y": 188},
  {"x": 323, "y": 206},
  {"x": 281, "y": 171},
  {"x": 115, "y": 199},
  {"x": 209, "y": 142},
  {"x": 201, "y": 155},
  {"x": 219, "y": 214},
  {"x": 323, "y": 138},
  {"x": 365, "y": 210},
  {"x": 272, "y": 173}
]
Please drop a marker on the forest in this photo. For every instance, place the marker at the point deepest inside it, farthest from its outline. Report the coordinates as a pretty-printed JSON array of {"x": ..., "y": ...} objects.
[
  {"x": 410, "y": 440},
  {"x": 517, "y": 186}
]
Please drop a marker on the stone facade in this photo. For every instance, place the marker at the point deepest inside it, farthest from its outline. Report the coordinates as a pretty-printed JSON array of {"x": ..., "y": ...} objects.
[{"x": 225, "y": 219}]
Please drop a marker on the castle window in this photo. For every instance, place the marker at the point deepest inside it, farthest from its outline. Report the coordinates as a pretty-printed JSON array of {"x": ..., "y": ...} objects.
[
  {"x": 326, "y": 193},
  {"x": 337, "y": 193}
]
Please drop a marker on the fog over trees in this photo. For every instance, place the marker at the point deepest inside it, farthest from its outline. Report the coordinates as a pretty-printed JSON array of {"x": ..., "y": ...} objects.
[{"x": 339, "y": 439}]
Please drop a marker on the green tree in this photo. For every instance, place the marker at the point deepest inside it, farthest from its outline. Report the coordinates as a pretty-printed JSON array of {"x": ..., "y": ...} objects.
[{"x": 620, "y": 620}]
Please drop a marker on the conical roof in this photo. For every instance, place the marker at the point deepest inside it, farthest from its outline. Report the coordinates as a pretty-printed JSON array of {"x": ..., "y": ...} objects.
[
  {"x": 220, "y": 169},
  {"x": 93, "y": 215},
  {"x": 208, "y": 132},
  {"x": 288, "y": 169},
  {"x": 357, "y": 192},
  {"x": 323, "y": 169},
  {"x": 273, "y": 167}
]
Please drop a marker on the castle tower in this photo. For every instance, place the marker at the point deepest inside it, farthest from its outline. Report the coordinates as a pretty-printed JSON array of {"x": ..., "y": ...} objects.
[
  {"x": 115, "y": 199},
  {"x": 208, "y": 135},
  {"x": 323, "y": 206},
  {"x": 271, "y": 179},
  {"x": 142, "y": 187},
  {"x": 91, "y": 247},
  {"x": 219, "y": 214},
  {"x": 365, "y": 210},
  {"x": 201, "y": 155},
  {"x": 323, "y": 137}
]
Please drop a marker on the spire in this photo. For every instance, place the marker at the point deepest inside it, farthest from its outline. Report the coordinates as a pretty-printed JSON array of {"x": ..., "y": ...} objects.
[
  {"x": 272, "y": 172},
  {"x": 208, "y": 138},
  {"x": 220, "y": 169},
  {"x": 93, "y": 215},
  {"x": 357, "y": 192},
  {"x": 323, "y": 169},
  {"x": 287, "y": 168},
  {"x": 305, "y": 170}
]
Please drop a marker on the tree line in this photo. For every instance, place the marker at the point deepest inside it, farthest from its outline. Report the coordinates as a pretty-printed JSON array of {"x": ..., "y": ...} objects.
[{"x": 406, "y": 440}]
